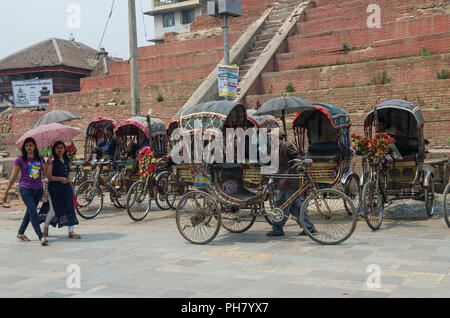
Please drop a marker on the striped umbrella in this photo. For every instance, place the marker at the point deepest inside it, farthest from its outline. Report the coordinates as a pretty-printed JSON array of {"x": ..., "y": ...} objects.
[{"x": 47, "y": 135}]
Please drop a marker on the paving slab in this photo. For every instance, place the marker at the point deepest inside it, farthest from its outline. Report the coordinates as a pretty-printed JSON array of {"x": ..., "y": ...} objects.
[{"x": 121, "y": 258}]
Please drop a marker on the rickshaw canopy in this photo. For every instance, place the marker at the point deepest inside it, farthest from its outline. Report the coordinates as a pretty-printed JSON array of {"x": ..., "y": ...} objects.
[
  {"x": 326, "y": 121},
  {"x": 400, "y": 104},
  {"x": 261, "y": 121},
  {"x": 100, "y": 122},
  {"x": 139, "y": 123},
  {"x": 213, "y": 116}
]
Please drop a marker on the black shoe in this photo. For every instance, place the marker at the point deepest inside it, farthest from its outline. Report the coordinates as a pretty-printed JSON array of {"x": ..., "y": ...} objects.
[
  {"x": 272, "y": 233},
  {"x": 303, "y": 233}
]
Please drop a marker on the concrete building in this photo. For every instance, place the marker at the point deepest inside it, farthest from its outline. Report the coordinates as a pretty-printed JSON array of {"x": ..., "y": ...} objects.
[{"x": 174, "y": 16}]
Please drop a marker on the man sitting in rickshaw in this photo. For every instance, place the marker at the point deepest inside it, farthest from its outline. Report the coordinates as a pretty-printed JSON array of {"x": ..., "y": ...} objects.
[
  {"x": 133, "y": 150},
  {"x": 106, "y": 149},
  {"x": 287, "y": 152}
]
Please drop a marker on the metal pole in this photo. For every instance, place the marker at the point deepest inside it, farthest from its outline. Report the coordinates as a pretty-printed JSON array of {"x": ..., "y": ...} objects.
[
  {"x": 226, "y": 49},
  {"x": 134, "y": 69}
]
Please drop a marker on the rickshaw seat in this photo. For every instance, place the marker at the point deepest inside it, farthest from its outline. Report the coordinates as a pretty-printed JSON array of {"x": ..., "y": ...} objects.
[
  {"x": 323, "y": 148},
  {"x": 323, "y": 158},
  {"x": 234, "y": 175},
  {"x": 79, "y": 163}
]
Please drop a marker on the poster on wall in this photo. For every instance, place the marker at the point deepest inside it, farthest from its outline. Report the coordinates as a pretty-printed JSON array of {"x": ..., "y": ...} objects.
[
  {"x": 228, "y": 79},
  {"x": 32, "y": 93}
]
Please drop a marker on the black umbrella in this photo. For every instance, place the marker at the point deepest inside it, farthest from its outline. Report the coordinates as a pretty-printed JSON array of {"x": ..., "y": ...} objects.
[
  {"x": 56, "y": 116},
  {"x": 284, "y": 105}
]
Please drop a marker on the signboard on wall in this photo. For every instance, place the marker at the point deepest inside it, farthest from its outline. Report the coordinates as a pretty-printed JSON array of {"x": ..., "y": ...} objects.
[
  {"x": 228, "y": 79},
  {"x": 32, "y": 93}
]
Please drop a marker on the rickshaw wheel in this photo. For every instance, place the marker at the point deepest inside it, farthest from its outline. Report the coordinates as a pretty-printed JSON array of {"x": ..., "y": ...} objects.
[
  {"x": 352, "y": 189},
  {"x": 327, "y": 210},
  {"x": 173, "y": 191},
  {"x": 198, "y": 217},
  {"x": 161, "y": 191},
  {"x": 113, "y": 200},
  {"x": 89, "y": 200},
  {"x": 372, "y": 205},
  {"x": 429, "y": 197},
  {"x": 273, "y": 194},
  {"x": 240, "y": 221},
  {"x": 139, "y": 201},
  {"x": 446, "y": 205}
]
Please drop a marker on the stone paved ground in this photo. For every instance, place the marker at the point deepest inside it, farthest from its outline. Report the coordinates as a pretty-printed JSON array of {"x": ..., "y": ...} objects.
[{"x": 119, "y": 258}]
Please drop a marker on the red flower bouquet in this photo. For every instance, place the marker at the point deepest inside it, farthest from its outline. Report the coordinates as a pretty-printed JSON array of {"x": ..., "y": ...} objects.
[
  {"x": 147, "y": 165},
  {"x": 373, "y": 148},
  {"x": 71, "y": 151}
]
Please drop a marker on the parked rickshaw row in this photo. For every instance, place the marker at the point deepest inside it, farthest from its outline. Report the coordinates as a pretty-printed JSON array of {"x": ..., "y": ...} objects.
[{"x": 207, "y": 196}]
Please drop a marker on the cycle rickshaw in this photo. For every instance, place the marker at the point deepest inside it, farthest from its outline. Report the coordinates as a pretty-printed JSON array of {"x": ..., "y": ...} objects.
[
  {"x": 253, "y": 178},
  {"x": 94, "y": 134},
  {"x": 323, "y": 135},
  {"x": 410, "y": 175},
  {"x": 133, "y": 135},
  {"x": 222, "y": 199}
]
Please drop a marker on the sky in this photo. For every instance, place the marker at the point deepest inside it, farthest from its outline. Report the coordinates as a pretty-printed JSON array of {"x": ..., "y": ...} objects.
[{"x": 26, "y": 22}]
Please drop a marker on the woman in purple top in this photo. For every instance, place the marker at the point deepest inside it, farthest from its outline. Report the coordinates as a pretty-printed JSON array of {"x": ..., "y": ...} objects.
[{"x": 31, "y": 165}]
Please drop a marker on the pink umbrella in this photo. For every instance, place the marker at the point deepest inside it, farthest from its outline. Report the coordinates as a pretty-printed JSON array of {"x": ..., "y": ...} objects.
[{"x": 47, "y": 135}]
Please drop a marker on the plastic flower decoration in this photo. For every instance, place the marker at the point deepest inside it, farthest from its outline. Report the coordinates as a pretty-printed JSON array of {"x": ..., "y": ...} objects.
[
  {"x": 46, "y": 152},
  {"x": 373, "y": 148},
  {"x": 147, "y": 163},
  {"x": 71, "y": 151}
]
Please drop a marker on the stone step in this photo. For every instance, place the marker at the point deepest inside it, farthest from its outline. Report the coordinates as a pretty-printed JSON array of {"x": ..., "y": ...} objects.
[
  {"x": 250, "y": 60},
  {"x": 273, "y": 23},
  {"x": 279, "y": 16},
  {"x": 254, "y": 54},
  {"x": 265, "y": 36},
  {"x": 261, "y": 43}
]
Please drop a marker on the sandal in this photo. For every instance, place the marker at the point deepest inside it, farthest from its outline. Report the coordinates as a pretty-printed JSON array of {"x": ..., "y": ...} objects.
[
  {"x": 6, "y": 205},
  {"x": 23, "y": 238},
  {"x": 73, "y": 235},
  {"x": 43, "y": 241},
  {"x": 45, "y": 231}
]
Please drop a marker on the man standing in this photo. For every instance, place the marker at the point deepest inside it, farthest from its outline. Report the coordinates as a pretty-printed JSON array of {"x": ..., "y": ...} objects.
[{"x": 287, "y": 187}]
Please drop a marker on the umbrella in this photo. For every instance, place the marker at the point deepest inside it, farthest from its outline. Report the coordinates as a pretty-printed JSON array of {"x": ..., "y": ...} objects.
[
  {"x": 284, "y": 105},
  {"x": 47, "y": 135},
  {"x": 56, "y": 116}
]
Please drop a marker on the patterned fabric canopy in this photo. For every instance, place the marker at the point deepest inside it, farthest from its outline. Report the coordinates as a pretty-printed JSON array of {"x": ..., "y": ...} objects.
[
  {"x": 402, "y": 105},
  {"x": 213, "y": 116},
  {"x": 261, "y": 121},
  {"x": 338, "y": 118}
]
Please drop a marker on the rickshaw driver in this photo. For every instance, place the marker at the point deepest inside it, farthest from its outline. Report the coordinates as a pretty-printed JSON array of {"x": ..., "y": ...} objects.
[
  {"x": 106, "y": 149},
  {"x": 287, "y": 152}
]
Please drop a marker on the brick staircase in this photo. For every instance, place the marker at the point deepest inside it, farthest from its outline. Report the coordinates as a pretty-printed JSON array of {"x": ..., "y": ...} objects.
[
  {"x": 311, "y": 58},
  {"x": 412, "y": 44}
]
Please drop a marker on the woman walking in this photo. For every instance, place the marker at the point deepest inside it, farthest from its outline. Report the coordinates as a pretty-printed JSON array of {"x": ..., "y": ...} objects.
[
  {"x": 60, "y": 192},
  {"x": 31, "y": 165}
]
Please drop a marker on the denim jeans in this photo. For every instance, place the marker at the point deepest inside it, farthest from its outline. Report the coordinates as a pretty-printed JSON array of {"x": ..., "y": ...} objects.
[
  {"x": 31, "y": 198},
  {"x": 293, "y": 209}
]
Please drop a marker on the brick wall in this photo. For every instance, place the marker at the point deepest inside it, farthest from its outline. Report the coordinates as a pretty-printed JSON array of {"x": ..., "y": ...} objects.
[
  {"x": 175, "y": 69},
  {"x": 357, "y": 101}
]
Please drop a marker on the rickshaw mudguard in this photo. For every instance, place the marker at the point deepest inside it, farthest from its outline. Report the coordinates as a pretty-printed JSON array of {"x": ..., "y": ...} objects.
[
  {"x": 428, "y": 171},
  {"x": 347, "y": 175}
]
